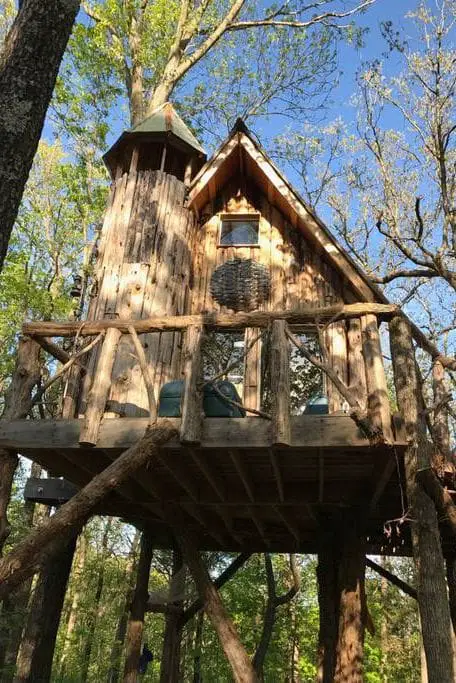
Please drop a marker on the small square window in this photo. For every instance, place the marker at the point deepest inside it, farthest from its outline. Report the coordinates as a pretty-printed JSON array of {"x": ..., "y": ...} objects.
[{"x": 239, "y": 231}]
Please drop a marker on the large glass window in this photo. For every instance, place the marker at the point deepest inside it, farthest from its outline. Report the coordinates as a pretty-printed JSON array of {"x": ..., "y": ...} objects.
[
  {"x": 239, "y": 231},
  {"x": 307, "y": 383}
]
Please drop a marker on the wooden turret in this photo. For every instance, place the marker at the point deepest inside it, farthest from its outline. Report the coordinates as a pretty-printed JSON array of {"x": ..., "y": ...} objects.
[{"x": 144, "y": 261}]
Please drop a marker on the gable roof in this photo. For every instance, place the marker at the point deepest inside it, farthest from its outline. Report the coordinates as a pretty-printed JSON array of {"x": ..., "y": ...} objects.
[{"x": 241, "y": 153}]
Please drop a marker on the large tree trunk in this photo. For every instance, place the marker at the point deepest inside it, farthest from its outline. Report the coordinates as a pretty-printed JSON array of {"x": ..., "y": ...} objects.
[
  {"x": 170, "y": 661},
  {"x": 138, "y": 609},
  {"x": 431, "y": 584},
  {"x": 21, "y": 562},
  {"x": 34, "y": 661},
  {"x": 352, "y": 603},
  {"x": 29, "y": 65},
  {"x": 130, "y": 575},
  {"x": 26, "y": 375},
  {"x": 94, "y": 613}
]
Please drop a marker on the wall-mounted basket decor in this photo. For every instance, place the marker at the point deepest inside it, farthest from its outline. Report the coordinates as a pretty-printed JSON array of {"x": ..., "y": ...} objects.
[{"x": 241, "y": 284}]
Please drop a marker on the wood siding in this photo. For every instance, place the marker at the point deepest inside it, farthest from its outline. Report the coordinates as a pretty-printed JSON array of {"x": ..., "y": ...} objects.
[
  {"x": 144, "y": 268},
  {"x": 300, "y": 276},
  {"x": 156, "y": 258}
]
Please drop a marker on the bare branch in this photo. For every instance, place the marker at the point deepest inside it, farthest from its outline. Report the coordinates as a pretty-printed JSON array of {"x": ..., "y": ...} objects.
[{"x": 317, "y": 19}]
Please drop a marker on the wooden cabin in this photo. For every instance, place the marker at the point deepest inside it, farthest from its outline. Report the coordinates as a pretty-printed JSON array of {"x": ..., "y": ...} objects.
[{"x": 198, "y": 256}]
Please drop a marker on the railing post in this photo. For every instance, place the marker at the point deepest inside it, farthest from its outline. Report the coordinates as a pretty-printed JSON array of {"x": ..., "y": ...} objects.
[
  {"x": 192, "y": 405},
  {"x": 280, "y": 384},
  {"x": 377, "y": 389},
  {"x": 101, "y": 384}
]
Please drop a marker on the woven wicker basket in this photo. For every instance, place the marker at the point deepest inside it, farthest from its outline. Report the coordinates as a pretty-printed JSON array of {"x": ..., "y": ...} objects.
[{"x": 241, "y": 284}]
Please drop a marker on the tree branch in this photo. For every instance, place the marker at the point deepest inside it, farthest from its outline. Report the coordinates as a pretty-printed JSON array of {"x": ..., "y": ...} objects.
[{"x": 317, "y": 19}]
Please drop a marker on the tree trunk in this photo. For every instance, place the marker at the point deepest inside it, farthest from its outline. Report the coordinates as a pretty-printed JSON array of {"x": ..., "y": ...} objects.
[
  {"x": 26, "y": 375},
  {"x": 431, "y": 584},
  {"x": 440, "y": 428},
  {"x": 266, "y": 632},
  {"x": 274, "y": 601},
  {"x": 22, "y": 561},
  {"x": 29, "y": 65},
  {"x": 451, "y": 580},
  {"x": 130, "y": 574},
  {"x": 197, "y": 649},
  {"x": 94, "y": 613},
  {"x": 170, "y": 660},
  {"x": 352, "y": 602},
  {"x": 138, "y": 609},
  {"x": 328, "y": 601},
  {"x": 14, "y": 609},
  {"x": 37, "y": 648},
  {"x": 73, "y": 616},
  {"x": 384, "y": 631},
  {"x": 241, "y": 666}
]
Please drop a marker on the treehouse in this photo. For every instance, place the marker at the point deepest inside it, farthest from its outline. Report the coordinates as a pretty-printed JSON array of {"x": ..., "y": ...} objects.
[{"x": 223, "y": 302}]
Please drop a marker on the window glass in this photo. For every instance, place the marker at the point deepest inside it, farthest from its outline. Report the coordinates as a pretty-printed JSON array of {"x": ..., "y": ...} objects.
[{"x": 239, "y": 231}]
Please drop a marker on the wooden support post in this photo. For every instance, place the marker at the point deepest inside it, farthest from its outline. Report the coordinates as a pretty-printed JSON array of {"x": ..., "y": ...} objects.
[
  {"x": 100, "y": 389},
  {"x": 352, "y": 602},
  {"x": 25, "y": 377},
  {"x": 431, "y": 585},
  {"x": 240, "y": 664},
  {"x": 252, "y": 369},
  {"x": 219, "y": 582},
  {"x": 356, "y": 366},
  {"x": 22, "y": 561},
  {"x": 392, "y": 578},
  {"x": 170, "y": 659},
  {"x": 192, "y": 405},
  {"x": 138, "y": 609},
  {"x": 377, "y": 396},
  {"x": 328, "y": 601},
  {"x": 280, "y": 384}
]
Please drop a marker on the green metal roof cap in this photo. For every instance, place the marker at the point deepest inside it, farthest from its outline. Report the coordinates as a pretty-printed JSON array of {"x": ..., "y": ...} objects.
[{"x": 165, "y": 120}]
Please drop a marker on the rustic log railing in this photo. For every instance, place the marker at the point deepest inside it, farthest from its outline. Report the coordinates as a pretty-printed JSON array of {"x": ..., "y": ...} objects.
[
  {"x": 364, "y": 378},
  {"x": 174, "y": 323}
]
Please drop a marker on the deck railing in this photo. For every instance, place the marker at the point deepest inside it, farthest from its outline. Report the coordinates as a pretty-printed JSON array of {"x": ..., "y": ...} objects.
[{"x": 373, "y": 416}]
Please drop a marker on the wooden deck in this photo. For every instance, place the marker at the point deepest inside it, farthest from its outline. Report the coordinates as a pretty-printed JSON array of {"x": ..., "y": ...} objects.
[{"x": 235, "y": 491}]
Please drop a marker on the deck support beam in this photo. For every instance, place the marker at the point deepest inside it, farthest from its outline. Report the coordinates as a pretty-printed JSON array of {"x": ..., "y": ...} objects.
[
  {"x": 241, "y": 666},
  {"x": 342, "y": 600}
]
